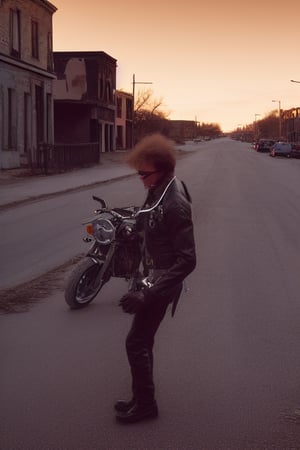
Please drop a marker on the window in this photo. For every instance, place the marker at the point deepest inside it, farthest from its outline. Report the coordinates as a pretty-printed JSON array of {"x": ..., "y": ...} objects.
[
  {"x": 108, "y": 93},
  {"x": 119, "y": 106},
  {"x": 129, "y": 109},
  {"x": 101, "y": 87},
  {"x": 11, "y": 119},
  {"x": 49, "y": 53},
  {"x": 35, "y": 39},
  {"x": 14, "y": 33},
  {"x": 119, "y": 142},
  {"x": 1, "y": 117},
  {"x": 27, "y": 122},
  {"x": 49, "y": 117},
  {"x": 39, "y": 106}
]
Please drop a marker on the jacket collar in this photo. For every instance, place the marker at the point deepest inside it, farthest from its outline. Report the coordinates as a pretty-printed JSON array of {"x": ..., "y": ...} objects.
[{"x": 156, "y": 191}]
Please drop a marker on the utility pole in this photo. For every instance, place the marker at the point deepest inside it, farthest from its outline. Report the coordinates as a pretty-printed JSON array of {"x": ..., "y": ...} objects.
[
  {"x": 279, "y": 116},
  {"x": 134, "y": 82}
]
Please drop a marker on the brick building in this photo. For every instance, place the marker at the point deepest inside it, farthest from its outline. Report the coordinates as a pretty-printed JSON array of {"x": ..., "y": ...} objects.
[
  {"x": 182, "y": 129},
  {"x": 291, "y": 124},
  {"x": 26, "y": 68},
  {"x": 124, "y": 124},
  {"x": 84, "y": 99}
]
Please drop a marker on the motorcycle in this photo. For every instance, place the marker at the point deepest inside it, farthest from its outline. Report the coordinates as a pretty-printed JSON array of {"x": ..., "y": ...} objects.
[{"x": 115, "y": 252}]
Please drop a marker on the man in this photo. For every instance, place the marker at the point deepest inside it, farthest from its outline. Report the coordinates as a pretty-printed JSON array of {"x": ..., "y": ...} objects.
[{"x": 166, "y": 223}]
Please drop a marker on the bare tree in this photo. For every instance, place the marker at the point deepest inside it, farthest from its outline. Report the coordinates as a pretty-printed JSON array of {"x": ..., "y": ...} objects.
[
  {"x": 146, "y": 101},
  {"x": 149, "y": 115},
  {"x": 209, "y": 129},
  {"x": 268, "y": 126}
]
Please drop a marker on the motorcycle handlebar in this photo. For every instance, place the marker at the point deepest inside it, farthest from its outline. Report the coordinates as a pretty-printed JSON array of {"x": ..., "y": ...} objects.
[{"x": 100, "y": 200}]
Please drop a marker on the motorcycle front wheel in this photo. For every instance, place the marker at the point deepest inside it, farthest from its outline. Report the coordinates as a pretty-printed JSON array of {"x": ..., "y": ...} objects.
[{"x": 81, "y": 287}]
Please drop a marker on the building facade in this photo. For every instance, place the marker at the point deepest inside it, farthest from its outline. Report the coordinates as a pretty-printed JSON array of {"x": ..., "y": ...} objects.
[
  {"x": 124, "y": 123},
  {"x": 84, "y": 99},
  {"x": 291, "y": 124},
  {"x": 182, "y": 129},
  {"x": 26, "y": 81}
]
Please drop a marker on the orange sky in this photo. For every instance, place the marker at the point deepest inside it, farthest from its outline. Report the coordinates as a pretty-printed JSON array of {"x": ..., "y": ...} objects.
[{"x": 222, "y": 62}]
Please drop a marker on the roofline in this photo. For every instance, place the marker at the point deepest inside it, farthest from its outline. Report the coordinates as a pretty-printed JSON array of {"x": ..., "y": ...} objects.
[
  {"x": 47, "y": 5},
  {"x": 78, "y": 53},
  {"x": 128, "y": 94}
]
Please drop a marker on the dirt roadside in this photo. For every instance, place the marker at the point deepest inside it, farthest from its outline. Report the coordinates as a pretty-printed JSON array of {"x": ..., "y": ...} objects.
[{"x": 22, "y": 298}]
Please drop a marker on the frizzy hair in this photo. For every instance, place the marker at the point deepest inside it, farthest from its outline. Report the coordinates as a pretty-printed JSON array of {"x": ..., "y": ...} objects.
[{"x": 156, "y": 150}]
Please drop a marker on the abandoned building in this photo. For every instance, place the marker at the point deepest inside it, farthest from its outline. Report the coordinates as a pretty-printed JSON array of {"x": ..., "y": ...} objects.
[
  {"x": 84, "y": 99},
  {"x": 26, "y": 82}
]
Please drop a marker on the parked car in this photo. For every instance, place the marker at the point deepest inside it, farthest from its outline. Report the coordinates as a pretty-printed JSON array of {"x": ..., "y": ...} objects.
[
  {"x": 281, "y": 149},
  {"x": 295, "y": 153},
  {"x": 264, "y": 145}
]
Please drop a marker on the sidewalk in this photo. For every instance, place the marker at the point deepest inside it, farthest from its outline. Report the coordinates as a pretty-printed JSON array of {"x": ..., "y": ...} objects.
[{"x": 17, "y": 186}]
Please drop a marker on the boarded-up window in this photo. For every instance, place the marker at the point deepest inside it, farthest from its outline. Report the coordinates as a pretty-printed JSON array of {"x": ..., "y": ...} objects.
[
  {"x": 39, "y": 105},
  {"x": 34, "y": 39},
  {"x": 119, "y": 107},
  {"x": 129, "y": 109},
  {"x": 49, "y": 53},
  {"x": 12, "y": 119},
  {"x": 27, "y": 121},
  {"x": 49, "y": 117},
  {"x": 14, "y": 33}
]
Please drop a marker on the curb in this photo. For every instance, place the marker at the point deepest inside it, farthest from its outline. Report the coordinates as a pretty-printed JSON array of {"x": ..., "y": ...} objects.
[
  {"x": 24, "y": 201},
  {"x": 49, "y": 195}
]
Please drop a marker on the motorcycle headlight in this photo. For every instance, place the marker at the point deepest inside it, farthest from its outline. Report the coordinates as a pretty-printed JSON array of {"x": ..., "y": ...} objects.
[{"x": 103, "y": 231}]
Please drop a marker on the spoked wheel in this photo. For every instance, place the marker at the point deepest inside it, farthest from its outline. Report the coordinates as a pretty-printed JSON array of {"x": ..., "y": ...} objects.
[{"x": 82, "y": 285}]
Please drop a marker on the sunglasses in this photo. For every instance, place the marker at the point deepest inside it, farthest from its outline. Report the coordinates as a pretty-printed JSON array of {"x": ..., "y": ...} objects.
[{"x": 144, "y": 174}]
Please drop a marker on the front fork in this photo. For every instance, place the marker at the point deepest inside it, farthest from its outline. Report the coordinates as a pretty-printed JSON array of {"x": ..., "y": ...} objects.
[
  {"x": 135, "y": 283},
  {"x": 103, "y": 261}
]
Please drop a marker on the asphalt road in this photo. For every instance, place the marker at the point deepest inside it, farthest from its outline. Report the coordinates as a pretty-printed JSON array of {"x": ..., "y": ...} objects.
[{"x": 227, "y": 366}]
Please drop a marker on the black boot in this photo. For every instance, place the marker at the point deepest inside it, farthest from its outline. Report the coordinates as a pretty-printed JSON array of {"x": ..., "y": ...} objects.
[
  {"x": 122, "y": 406},
  {"x": 138, "y": 413}
]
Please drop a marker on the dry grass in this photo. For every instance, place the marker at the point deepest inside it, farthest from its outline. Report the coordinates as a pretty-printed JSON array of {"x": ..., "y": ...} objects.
[{"x": 22, "y": 297}]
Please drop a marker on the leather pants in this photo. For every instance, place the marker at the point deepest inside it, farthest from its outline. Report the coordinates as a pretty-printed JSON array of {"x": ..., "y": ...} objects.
[{"x": 139, "y": 345}]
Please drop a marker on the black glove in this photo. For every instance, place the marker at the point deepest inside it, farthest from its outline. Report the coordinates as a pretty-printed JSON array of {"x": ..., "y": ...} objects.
[{"x": 132, "y": 302}]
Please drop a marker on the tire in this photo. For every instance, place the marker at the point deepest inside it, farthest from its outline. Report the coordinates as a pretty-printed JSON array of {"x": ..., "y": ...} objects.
[{"x": 80, "y": 290}]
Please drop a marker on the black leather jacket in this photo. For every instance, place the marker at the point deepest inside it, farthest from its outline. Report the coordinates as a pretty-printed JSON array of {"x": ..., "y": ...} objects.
[{"x": 169, "y": 237}]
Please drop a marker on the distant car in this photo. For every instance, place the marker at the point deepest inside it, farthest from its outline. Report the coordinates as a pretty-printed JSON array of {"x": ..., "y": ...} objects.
[
  {"x": 281, "y": 149},
  {"x": 264, "y": 145},
  {"x": 295, "y": 153}
]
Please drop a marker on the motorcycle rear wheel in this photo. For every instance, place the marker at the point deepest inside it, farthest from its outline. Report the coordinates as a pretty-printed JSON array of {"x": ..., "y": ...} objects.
[{"x": 81, "y": 288}]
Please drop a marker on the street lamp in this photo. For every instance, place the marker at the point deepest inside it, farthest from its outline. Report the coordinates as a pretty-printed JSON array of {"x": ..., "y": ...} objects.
[
  {"x": 279, "y": 116},
  {"x": 294, "y": 133},
  {"x": 133, "y": 95}
]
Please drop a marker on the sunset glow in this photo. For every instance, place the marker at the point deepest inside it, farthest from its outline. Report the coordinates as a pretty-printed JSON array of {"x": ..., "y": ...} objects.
[{"x": 223, "y": 62}]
